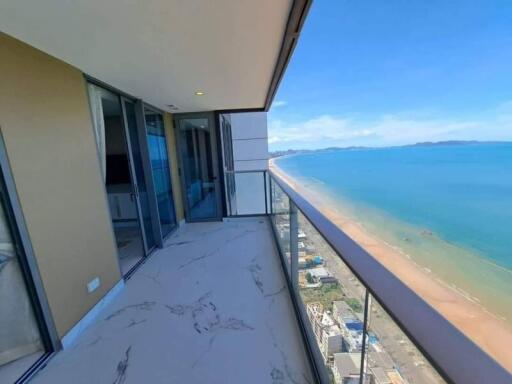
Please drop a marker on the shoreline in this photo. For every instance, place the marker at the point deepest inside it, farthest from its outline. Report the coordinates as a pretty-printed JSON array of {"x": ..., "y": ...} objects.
[
  {"x": 486, "y": 329},
  {"x": 460, "y": 258}
]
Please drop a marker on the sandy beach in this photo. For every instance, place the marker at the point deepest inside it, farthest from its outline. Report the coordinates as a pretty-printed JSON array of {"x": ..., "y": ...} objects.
[{"x": 488, "y": 331}]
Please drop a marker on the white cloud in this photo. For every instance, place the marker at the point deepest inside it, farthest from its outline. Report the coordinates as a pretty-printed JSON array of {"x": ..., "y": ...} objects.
[
  {"x": 327, "y": 130},
  {"x": 320, "y": 128},
  {"x": 278, "y": 103}
]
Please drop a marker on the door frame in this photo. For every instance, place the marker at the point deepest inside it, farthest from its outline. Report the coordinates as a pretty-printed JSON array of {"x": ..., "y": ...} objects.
[
  {"x": 227, "y": 163},
  {"x": 146, "y": 162},
  {"x": 28, "y": 265},
  {"x": 145, "y": 106},
  {"x": 215, "y": 162},
  {"x": 140, "y": 105},
  {"x": 146, "y": 249},
  {"x": 121, "y": 96}
]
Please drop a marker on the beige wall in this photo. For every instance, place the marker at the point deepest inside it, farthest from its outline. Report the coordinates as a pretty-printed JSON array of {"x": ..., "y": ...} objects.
[
  {"x": 46, "y": 125},
  {"x": 173, "y": 158}
]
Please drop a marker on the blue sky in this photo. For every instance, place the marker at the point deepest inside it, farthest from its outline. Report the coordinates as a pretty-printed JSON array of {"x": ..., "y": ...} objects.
[{"x": 394, "y": 72}]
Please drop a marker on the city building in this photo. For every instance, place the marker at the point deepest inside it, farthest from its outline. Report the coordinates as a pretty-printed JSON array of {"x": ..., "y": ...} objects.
[
  {"x": 306, "y": 261},
  {"x": 327, "y": 332},
  {"x": 350, "y": 325},
  {"x": 331, "y": 339},
  {"x": 352, "y": 341},
  {"x": 379, "y": 375},
  {"x": 318, "y": 272},
  {"x": 328, "y": 280},
  {"x": 346, "y": 368},
  {"x": 342, "y": 313},
  {"x": 315, "y": 313}
]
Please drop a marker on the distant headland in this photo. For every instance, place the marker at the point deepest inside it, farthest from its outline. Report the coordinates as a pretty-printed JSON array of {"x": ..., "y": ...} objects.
[{"x": 286, "y": 152}]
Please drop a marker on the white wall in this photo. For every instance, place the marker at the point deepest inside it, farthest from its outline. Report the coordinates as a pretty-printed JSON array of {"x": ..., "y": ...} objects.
[
  {"x": 250, "y": 141},
  {"x": 250, "y": 196},
  {"x": 250, "y": 156}
]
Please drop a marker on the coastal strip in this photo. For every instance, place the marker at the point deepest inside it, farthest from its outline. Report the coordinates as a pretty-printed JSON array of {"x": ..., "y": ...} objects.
[{"x": 488, "y": 331}]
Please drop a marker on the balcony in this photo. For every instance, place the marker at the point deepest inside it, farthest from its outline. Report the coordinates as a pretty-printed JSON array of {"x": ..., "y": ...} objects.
[
  {"x": 281, "y": 297},
  {"x": 212, "y": 306}
]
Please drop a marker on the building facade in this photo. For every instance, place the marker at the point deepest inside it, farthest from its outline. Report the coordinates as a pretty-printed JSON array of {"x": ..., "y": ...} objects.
[
  {"x": 121, "y": 123},
  {"x": 110, "y": 120}
]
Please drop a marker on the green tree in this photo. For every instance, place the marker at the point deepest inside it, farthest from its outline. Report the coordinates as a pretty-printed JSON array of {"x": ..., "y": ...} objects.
[{"x": 354, "y": 304}]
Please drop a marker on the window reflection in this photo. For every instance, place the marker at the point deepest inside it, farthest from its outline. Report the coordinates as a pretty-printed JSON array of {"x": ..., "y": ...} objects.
[
  {"x": 161, "y": 169},
  {"x": 20, "y": 340}
]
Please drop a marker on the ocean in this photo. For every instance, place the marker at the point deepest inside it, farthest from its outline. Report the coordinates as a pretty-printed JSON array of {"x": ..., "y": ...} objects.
[{"x": 448, "y": 207}]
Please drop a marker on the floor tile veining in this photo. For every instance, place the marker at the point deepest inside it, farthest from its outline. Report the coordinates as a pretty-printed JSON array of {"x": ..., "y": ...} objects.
[{"x": 210, "y": 307}]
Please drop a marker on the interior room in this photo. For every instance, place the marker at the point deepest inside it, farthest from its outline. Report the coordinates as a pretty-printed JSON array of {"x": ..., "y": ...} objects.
[
  {"x": 118, "y": 179},
  {"x": 199, "y": 176}
]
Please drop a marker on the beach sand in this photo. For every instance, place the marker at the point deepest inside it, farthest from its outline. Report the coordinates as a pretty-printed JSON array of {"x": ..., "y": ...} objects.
[{"x": 491, "y": 333}]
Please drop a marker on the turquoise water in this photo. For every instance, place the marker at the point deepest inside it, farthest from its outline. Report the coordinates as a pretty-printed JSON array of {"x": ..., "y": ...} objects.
[
  {"x": 448, "y": 207},
  {"x": 461, "y": 192}
]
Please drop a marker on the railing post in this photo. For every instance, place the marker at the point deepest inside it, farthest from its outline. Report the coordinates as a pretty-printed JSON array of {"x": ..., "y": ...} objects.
[
  {"x": 270, "y": 194},
  {"x": 366, "y": 321},
  {"x": 265, "y": 191},
  {"x": 294, "y": 247}
]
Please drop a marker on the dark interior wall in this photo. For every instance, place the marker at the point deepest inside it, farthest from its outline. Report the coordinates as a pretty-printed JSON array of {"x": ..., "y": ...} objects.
[
  {"x": 118, "y": 171},
  {"x": 114, "y": 136}
]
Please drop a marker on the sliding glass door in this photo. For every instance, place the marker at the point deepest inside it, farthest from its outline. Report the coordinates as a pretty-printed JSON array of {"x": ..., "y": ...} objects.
[
  {"x": 21, "y": 342},
  {"x": 135, "y": 166},
  {"x": 229, "y": 164},
  {"x": 115, "y": 128},
  {"x": 141, "y": 189},
  {"x": 199, "y": 162},
  {"x": 160, "y": 167}
]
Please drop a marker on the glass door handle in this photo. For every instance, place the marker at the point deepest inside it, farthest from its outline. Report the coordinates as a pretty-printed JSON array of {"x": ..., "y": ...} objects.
[{"x": 135, "y": 192}]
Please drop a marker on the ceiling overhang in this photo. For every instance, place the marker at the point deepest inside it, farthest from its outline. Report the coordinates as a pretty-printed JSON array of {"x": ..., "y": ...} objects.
[{"x": 164, "y": 51}]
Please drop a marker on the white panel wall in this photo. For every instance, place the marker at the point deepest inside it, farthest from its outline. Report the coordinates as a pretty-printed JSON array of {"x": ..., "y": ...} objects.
[
  {"x": 250, "y": 141},
  {"x": 250, "y": 195}
]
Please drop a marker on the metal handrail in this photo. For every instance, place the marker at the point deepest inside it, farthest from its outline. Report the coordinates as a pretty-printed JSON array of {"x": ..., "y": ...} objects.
[{"x": 456, "y": 357}]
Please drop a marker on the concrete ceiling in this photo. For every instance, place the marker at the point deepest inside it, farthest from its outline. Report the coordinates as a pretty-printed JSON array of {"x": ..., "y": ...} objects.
[{"x": 162, "y": 51}]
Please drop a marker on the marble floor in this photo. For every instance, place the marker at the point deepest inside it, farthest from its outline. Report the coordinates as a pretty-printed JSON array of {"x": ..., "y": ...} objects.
[
  {"x": 210, "y": 307},
  {"x": 10, "y": 372},
  {"x": 129, "y": 246}
]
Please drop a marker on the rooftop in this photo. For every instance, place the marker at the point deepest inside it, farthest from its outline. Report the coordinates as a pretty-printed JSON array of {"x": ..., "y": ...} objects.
[
  {"x": 318, "y": 272},
  {"x": 327, "y": 320},
  {"x": 347, "y": 364},
  {"x": 380, "y": 375}
]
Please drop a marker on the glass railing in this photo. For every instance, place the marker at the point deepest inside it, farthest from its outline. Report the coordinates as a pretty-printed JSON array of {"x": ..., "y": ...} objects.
[
  {"x": 280, "y": 208},
  {"x": 334, "y": 300},
  {"x": 360, "y": 323},
  {"x": 247, "y": 192},
  {"x": 390, "y": 353}
]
